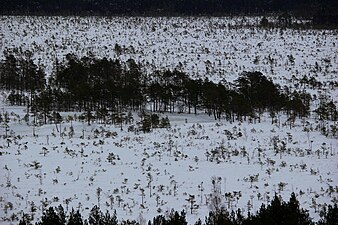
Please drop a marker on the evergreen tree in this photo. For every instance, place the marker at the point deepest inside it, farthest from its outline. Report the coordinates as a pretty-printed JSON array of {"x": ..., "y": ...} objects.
[
  {"x": 75, "y": 218},
  {"x": 155, "y": 120},
  {"x": 50, "y": 217},
  {"x": 218, "y": 217},
  {"x": 158, "y": 220},
  {"x": 95, "y": 216},
  {"x": 296, "y": 215},
  {"x": 25, "y": 220},
  {"x": 146, "y": 124},
  {"x": 9, "y": 73},
  {"x": 165, "y": 122},
  {"x": 176, "y": 218},
  {"x": 329, "y": 215}
]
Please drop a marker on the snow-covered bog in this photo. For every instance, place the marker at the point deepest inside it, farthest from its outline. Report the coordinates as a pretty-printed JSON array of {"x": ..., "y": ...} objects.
[
  {"x": 217, "y": 47},
  {"x": 198, "y": 158},
  {"x": 135, "y": 173}
]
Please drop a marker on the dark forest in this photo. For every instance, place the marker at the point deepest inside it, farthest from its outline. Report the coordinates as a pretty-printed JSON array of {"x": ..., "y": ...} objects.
[{"x": 173, "y": 7}]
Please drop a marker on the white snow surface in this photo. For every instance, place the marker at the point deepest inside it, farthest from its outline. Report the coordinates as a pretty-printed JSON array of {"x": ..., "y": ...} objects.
[{"x": 73, "y": 168}]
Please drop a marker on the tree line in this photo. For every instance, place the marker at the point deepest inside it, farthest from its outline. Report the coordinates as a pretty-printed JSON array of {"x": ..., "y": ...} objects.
[
  {"x": 278, "y": 212},
  {"x": 110, "y": 86},
  {"x": 173, "y": 7}
]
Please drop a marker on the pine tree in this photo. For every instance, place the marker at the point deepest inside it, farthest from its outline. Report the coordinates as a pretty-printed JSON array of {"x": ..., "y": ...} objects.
[
  {"x": 75, "y": 218},
  {"x": 95, "y": 216},
  {"x": 50, "y": 217},
  {"x": 329, "y": 215}
]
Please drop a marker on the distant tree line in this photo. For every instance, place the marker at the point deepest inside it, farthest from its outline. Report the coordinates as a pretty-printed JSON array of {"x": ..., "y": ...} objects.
[
  {"x": 110, "y": 86},
  {"x": 286, "y": 20},
  {"x": 172, "y": 7},
  {"x": 278, "y": 212}
]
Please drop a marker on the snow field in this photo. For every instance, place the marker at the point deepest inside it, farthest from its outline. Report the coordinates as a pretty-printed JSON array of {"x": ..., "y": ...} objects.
[
  {"x": 45, "y": 169},
  {"x": 48, "y": 170}
]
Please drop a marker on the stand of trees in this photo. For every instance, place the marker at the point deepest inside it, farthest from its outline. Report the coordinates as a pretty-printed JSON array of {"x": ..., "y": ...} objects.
[
  {"x": 275, "y": 213},
  {"x": 172, "y": 7},
  {"x": 109, "y": 86}
]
